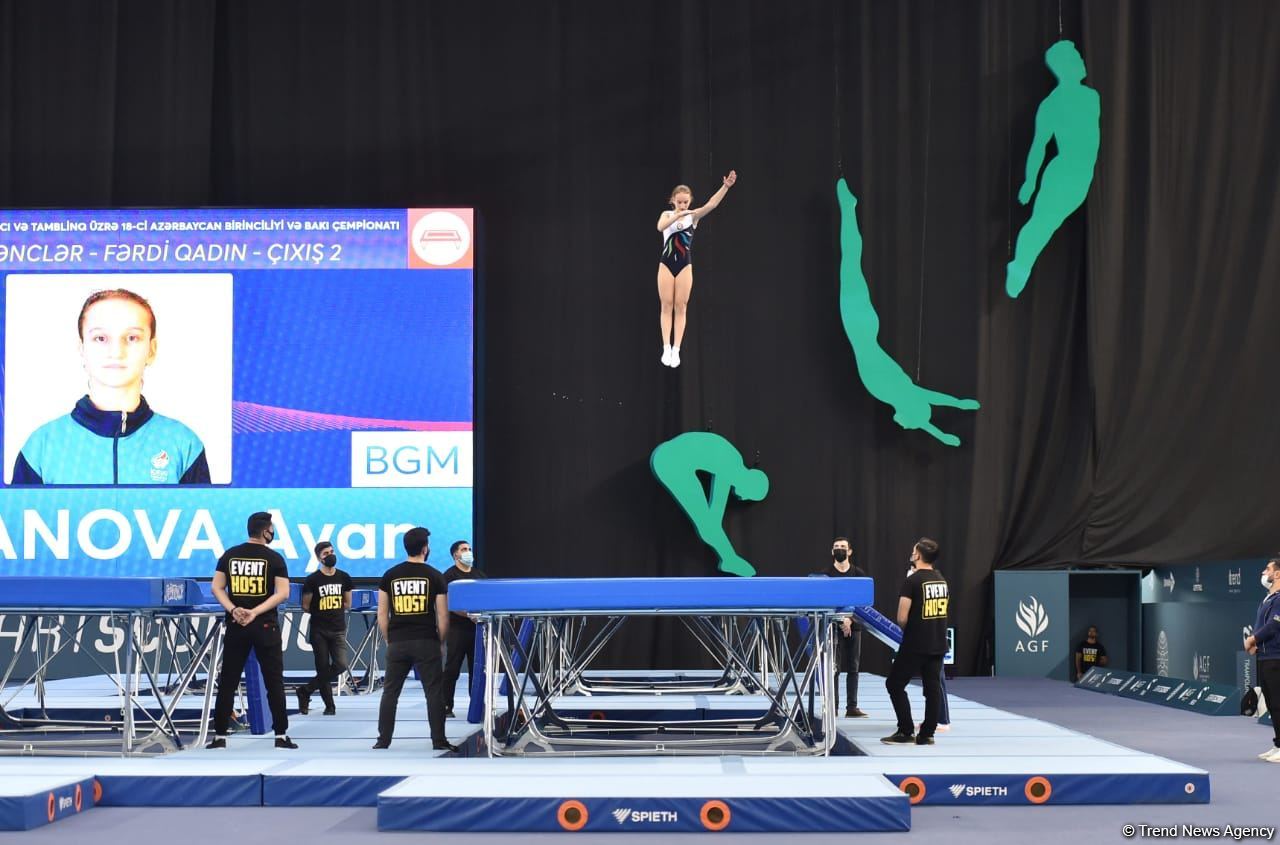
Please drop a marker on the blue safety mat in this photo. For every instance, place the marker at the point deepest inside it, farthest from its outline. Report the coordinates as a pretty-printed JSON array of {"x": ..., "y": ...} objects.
[
  {"x": 658, "y": 595},
  {"x": 571, "y": 795},
  {"x": 32, "y": 800}
]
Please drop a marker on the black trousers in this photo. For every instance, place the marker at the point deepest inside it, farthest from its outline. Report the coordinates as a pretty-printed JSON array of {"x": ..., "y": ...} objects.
[
  {"x": 460, "y": 644},
  {"x": 905, "y": 667},
  {"x": 401, "y": 658},
  {"x": 848, "y": 656},
  {"x": 1269, "y": 680},
  {"x": 329, "y": 648},
  {"x": 262, "y": 636}
]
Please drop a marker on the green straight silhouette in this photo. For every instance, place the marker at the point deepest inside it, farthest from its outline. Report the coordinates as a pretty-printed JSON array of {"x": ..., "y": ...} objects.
[
  {"x": 676, "y": 464},
  {"x": 883, "y": 378},
  {"x": 1070, "y": 116}
]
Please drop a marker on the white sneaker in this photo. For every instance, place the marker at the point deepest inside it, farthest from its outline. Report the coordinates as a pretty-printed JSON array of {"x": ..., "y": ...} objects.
[
  {"x": 675, "y": 357},
  {"x": 1271, "y": 755},
  {"x": 666, "y": 356}
]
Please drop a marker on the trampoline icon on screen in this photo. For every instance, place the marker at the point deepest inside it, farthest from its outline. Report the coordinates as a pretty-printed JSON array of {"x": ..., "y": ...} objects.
[{"x": 439, "y": 238}]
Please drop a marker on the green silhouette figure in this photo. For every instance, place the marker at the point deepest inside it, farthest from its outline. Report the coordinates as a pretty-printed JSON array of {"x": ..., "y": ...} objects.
[
  {"x": 676, "y": 464},
  {"x": 883, "y": 378},
  {"x": 1070, "y": 116}
]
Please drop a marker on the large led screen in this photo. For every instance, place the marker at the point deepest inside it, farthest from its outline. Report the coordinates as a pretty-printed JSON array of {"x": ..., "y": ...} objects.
[{"x": 169, "y": 372}]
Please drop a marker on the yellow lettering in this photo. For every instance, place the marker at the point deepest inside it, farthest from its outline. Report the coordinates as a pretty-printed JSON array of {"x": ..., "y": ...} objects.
[
  {"x": 406, "y": 605},
  {"x": 248, "y": 585}
]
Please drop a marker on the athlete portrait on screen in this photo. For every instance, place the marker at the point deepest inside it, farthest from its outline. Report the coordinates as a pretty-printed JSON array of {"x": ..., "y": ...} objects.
[{"x": 112, "y": 436}]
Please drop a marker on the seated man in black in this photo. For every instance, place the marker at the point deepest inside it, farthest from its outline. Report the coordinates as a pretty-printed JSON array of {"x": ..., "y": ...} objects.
[{"x": 1090, "y": 653}]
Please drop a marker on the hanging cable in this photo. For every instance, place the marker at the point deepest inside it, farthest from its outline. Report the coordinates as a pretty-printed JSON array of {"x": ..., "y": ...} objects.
[
  {"x": 707, "y": 37},
  {"x": 1008, "y": 124},
  {"x": 838, "y": 33},
  {"x": 924, "y": 229}
]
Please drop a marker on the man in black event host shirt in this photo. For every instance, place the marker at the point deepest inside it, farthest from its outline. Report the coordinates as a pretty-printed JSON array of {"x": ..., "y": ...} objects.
[
  {"x": 1090, "y": 653},
  {"x": 326, "y": 595},
  {"x": 922, "y": 615},
  {"x": 461, "y": 642},
  {"x": 250, "y": 582},
  {"x": 413, "y": 614}
]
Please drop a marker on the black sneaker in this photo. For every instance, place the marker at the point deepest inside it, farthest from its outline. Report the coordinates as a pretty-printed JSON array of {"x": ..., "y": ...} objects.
[
  {"x": 329, "y": 711},
  {"x": 448, "y": 714},
  {"x": 380, "y": 745},
  {"x": 304, "y": 701},
  {"x": 443, "y": 746},
  {"x": 217, "y": 742},
  {"x": 898, "y": 738},
  {"x": 285, "y": 742},
  {"x": 924, "y": 740},
  {"x": 855, "y": 713}
]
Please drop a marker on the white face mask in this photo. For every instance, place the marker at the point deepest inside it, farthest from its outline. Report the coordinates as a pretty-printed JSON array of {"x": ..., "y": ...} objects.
[
  {"x": 1266, "y": 581},
  {"x": 467, "y": 558}
]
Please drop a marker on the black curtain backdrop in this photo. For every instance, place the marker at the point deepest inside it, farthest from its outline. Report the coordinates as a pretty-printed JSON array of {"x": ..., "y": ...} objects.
[{"x": 1128, "y": 396}]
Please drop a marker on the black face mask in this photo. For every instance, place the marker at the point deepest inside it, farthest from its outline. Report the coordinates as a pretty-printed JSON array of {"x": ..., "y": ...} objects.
[
  {"x": 329, "y": 560},
  {"x": 840, "y": 555},
  {"x": 270, "y": 537}
]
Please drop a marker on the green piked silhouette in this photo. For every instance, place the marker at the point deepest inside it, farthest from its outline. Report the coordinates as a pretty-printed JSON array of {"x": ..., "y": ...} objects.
[
  {"x": 883, "y": 378},
  {"x": 676, "y": 464},
  {"x": 1070, "y": 116}
]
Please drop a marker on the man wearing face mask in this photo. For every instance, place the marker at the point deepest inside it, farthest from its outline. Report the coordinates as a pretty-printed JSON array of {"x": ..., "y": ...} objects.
[
  {"x": 460, "y": 643},
  {"x": 1264, "y": 642},
  {"x": 250, "y": 582},
  {"x": 326, "y": 595},
  {"x": 848, "y": 633}
]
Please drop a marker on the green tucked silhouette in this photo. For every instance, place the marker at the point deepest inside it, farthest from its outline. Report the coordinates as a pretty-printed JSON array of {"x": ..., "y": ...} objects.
[
  {"x": 1070, "y": 116},
  {"x": 883, "y": 378},
  {"x": 676, "y": 464}
]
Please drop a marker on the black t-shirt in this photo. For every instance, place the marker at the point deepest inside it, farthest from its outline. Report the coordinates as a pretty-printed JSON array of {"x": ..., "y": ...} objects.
[
  {"x": 251, "y": 570},
  {"x": 926, "y": 628},
  {"x": 327, "y": 593},
  {"x": 853, "y": 572},
  {"x": 1089, "y": 655},
  {"x": 412, "y": 589},
  {"x": 452, "y": 574}
]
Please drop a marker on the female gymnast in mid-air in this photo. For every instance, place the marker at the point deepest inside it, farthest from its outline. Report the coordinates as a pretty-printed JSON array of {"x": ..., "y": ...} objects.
[{"x": 675, "y": 265}]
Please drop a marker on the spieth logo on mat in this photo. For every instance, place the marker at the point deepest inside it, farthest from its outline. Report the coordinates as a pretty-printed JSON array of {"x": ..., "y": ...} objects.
[
  {"x": 623, "y": 815},
  {"x": 174, "y": 591},
  {"x": 958, "y": 789},
  {"x": 1033, "y": 621}
]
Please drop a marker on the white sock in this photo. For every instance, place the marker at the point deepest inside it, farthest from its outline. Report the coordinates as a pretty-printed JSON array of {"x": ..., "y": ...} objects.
[
  {"x": 666, "y": 355},
  {"x": 675, "y": 356}
]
